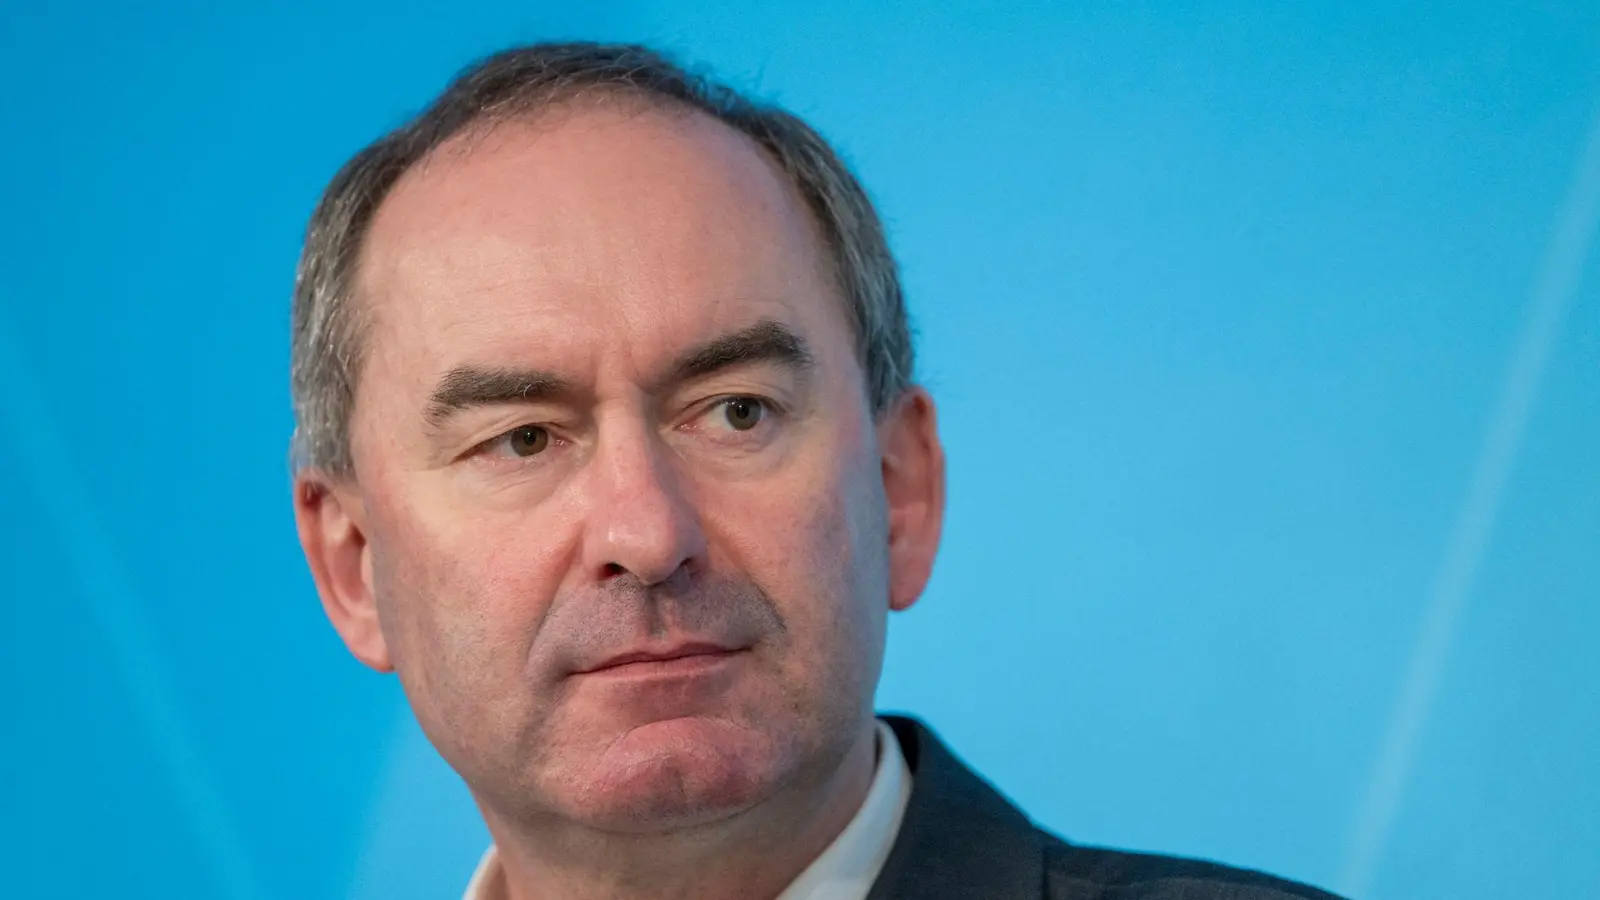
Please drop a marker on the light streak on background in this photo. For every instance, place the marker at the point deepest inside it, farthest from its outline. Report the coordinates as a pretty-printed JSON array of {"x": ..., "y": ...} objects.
[
  {"x": 420, "y": 811},
  {"x": 113, "y": 610},
  {"x": 1559, "y": 274}
]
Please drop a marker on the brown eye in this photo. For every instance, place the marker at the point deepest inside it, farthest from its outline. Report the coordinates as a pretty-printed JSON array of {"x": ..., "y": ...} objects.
[
  {"x": 743, "y": 413},
  {"x": 528, "y": 440}
]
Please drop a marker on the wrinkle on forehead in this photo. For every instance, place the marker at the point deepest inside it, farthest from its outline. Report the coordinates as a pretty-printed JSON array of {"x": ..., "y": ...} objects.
[
  {"x": 628, "y": 202},
  {"x": 580, "y": 151}
]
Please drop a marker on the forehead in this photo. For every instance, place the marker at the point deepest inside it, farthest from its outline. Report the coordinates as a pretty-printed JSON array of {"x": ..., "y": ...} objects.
[{"x": 617, "y": 223}]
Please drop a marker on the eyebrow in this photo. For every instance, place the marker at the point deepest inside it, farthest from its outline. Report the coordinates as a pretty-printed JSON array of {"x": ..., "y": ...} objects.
[
  {"x": 468, "y": 386},
  {"x": 766, "y": 341},
  {"x": 465, "y": 387}
]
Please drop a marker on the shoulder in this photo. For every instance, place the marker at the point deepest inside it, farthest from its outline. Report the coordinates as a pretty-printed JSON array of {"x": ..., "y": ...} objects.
[
  {"x": 1092, "y": 873},
  {"x": 961, "y": 838}
]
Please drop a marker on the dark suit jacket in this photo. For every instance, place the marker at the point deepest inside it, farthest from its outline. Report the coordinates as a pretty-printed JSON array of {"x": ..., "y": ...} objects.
[{"x": 961, "y": 839}]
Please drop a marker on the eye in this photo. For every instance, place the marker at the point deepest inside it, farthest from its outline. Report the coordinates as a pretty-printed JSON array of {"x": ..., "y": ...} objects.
[
  {"x": 523, "y": 441},
  {"x": 743, "y": 413}
]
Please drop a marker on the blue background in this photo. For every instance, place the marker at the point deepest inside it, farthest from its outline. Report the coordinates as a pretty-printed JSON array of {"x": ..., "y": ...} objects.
[{"x": 1267, "y": 339}]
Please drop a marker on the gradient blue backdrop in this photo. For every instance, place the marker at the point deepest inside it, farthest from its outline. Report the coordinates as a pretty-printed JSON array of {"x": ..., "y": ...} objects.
[{"x": 1269, "y": 369}]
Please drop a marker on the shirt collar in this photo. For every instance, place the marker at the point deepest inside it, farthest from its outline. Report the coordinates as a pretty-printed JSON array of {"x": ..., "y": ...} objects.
[{"x": 845, "y": 870}]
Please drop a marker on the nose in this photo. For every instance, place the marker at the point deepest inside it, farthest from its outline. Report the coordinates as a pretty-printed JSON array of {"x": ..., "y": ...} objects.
[{"x": 640, "y": 522}]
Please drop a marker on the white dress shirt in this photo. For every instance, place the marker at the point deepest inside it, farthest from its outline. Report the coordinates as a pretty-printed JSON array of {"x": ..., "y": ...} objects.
[{"x": 845, "y": 870}]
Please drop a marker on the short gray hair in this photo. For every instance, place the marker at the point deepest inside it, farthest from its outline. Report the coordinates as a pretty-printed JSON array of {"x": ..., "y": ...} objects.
[{"x": 328, "y": 328}]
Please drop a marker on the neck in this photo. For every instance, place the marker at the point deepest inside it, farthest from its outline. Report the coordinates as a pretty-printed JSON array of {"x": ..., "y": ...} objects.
[{"x": 754, "y": 854}]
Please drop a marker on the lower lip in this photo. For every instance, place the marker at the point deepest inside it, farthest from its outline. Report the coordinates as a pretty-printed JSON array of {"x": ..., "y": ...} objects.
[{"x": 679, "y": 667}]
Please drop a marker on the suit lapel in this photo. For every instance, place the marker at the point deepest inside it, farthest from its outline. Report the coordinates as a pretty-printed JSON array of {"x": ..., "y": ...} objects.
[{"x": 959, "y": 837}]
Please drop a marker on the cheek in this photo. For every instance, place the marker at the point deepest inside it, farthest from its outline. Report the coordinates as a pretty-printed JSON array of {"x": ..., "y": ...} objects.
[
  {"x": 461, "y": 596},
  {"x": 815, "y": 539},
  {"x": 500, "y": 561}
]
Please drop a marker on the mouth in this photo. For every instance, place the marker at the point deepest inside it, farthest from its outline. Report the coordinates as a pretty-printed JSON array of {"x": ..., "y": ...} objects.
[{"x": 679, "y": 659}]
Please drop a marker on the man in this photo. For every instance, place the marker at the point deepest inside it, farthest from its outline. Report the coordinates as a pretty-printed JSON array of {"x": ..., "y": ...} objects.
[{"x": 607, "y": 445}]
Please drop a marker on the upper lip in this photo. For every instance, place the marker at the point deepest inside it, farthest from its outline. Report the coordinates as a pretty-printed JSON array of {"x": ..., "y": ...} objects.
[{"x": 659, "y": 654}]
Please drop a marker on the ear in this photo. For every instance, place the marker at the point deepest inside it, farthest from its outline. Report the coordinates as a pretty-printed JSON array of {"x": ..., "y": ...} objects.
[
  {"x": 913, "y": 482},
  {"x": 331, "y": 519}
]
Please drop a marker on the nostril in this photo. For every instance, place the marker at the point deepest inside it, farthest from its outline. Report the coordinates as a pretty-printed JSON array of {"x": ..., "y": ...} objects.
[{"x": 612, "y": 570}]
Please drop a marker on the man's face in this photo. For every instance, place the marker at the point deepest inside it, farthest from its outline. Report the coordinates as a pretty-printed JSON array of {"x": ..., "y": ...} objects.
[{"x": 619, "y": 501}]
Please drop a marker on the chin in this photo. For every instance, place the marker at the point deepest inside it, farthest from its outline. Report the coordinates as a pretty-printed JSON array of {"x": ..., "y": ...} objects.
[{"x": 676, "y": 773}]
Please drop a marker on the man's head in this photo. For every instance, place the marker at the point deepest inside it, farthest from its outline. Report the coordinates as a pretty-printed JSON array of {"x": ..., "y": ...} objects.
[{"x": 606, "y": 439}]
